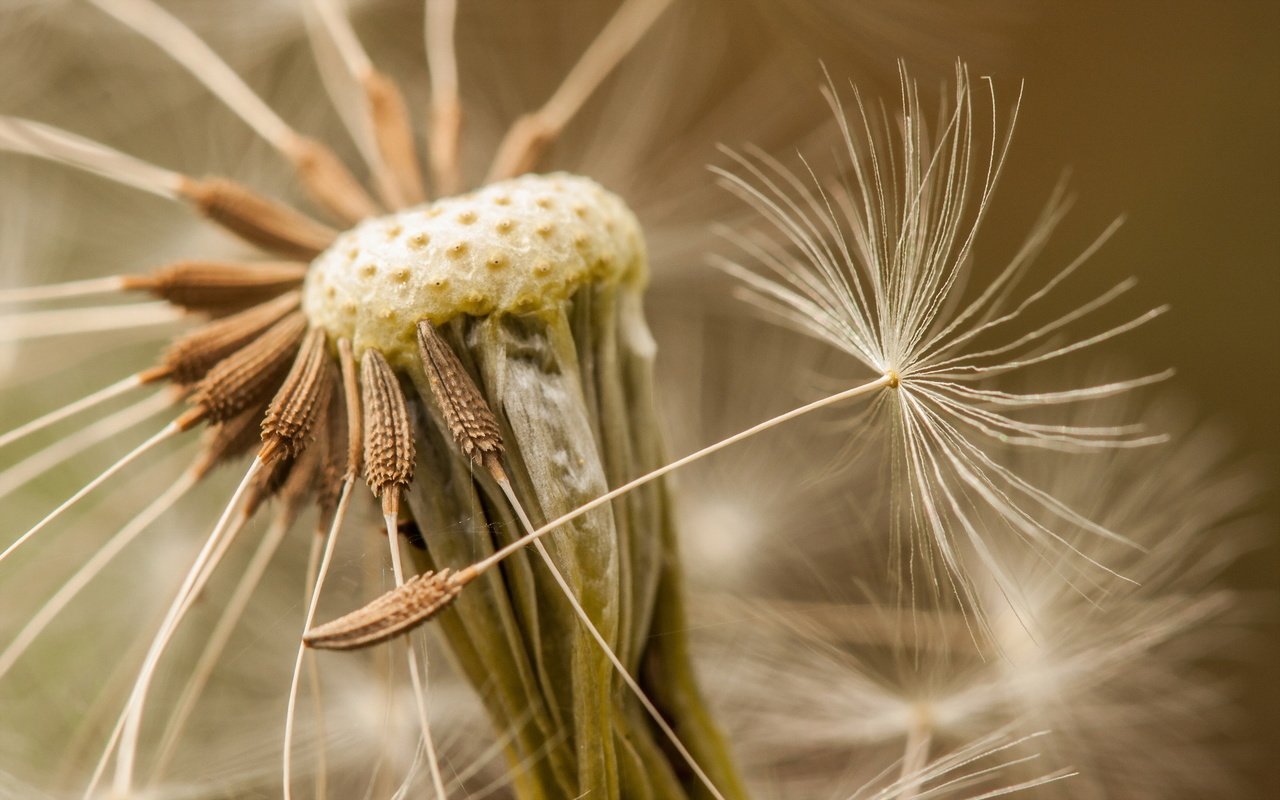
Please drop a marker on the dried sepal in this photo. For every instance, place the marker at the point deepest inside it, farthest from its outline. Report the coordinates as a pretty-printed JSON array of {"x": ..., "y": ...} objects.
[
  {"x": 471, "y": 422},
  {"x": 393, "y": 132},
  {"x": 395, "y": 613},
  {"x": 329, "y": 182},
  {"x": 334, "y": 458}
]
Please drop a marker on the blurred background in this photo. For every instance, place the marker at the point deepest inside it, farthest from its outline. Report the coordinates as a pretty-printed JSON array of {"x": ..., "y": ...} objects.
[{"x": 1169, "y": 113}]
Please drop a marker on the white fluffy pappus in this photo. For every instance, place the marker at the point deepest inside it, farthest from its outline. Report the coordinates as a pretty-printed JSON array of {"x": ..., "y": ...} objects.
[
  {"x": 872, "y": 259},
  {"x": 1132, "y": 680}
]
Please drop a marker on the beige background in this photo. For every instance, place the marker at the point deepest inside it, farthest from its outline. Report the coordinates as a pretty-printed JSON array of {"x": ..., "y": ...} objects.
[{"x": 1169, "y": 112}]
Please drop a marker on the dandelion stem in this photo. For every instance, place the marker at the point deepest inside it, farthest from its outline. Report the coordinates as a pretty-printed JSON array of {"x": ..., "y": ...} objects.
[
  {"x": 224, "y": 532},
  {"x": 416, "y": 677},
  {"x": 170, "y": 430},
  {"x": 386, "y": 137},
  {"x": 217, "y": 642},
  {"x": 61, "y": 291},
  {"x": 470, "y": 573},
  {"x": 41, "y": 461},
  {"x": 916, "y": 752},
  {"x": 339, "y": 515},
  {"x": 71, "y": 321},
  {"x": 89, "y": 401},
  {"x": 313, "y": 669},
  {"x": 530, "y": 136},
  {"x": 91, "y": 568},
  {"x": 54, "y": 144},
  {"x": 446, "y": 108}
]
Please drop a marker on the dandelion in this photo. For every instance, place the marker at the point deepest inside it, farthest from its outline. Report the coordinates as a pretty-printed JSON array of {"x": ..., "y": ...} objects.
[
  {"x": 461, "y": 328},
  {"x": 498, "y": 330}
]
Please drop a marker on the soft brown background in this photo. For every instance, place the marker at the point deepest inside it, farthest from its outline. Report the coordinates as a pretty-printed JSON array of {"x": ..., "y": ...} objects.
[{"x": 1170, "y": 114}]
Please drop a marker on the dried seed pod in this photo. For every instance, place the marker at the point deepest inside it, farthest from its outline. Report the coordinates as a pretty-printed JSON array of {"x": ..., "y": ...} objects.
[
  {"x": 229, "y": 439},
  {"x": 471, "y": 423},
  {"x": 256, "y": 219},
  {"x": 398, "y": 611},
  {"x": 248, "y": 376},
  {"x": 287, "y": 426},
  {"x": 332, "y": 437},
  {"x": 388, "y": 435},
  {"x": 190, "y": 357},
  {"x": 393, "y": 131},
  {"x": 217, "y": 286}
]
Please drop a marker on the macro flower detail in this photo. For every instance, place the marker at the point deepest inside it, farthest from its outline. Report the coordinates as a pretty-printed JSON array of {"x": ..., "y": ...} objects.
[{"x": 338, "y": 424}]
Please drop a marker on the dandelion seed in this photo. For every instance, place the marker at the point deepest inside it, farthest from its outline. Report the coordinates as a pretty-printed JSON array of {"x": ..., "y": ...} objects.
[{"x": 870, "y": 262}]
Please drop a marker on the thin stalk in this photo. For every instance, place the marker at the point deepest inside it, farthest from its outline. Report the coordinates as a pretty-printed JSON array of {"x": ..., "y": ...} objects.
[
  {"x": 339, "y": 515},
  {"x": 417, "y": 677},
  {"x": 479, "y": 567}
]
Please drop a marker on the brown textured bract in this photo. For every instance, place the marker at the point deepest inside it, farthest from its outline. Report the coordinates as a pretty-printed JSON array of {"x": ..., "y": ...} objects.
[
  {"x": 249, "y": 375},
  {"x": 190, "y": 357},
  {"x": 397, "y": 612},
  {"x": 471, "y": 423},
  {"x": 292, "y": 415},
  {"x": 219, "y": 286},
  {"x": 388, "y": 436},
  {"x": 258, "y": 220}
]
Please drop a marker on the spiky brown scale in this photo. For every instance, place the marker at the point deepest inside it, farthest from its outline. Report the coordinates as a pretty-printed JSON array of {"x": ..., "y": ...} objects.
[
  {"x": 219, "y": 286},
  {"x": 256, "y": 219},
  {"x": 190, "y": 357},
  {"x": 397, "y": 612},
  {"x": 470, "y": 421},
  {"x": 248, "y": 376},
  {"x": 298, "y": 403},
  {"x": 388, "y": 435}
]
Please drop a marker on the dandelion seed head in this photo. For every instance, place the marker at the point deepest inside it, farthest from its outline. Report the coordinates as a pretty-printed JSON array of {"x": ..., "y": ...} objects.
[{"x": 471, "y": 255}]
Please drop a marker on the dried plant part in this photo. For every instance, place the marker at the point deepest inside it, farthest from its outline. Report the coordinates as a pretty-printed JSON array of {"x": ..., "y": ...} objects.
[
  {"x": 470, "y": 421},
  {"x": 388, "y": 437},
  {"x": 256, "y": 219},
  {"x": 190, "y": 357},
  {"x": 393, "y": 614},
  {"x": 393, "y": 133},
  {"x": 218, "y": 286},
  {"x": 249, "y": 375},
  {"x": 329, "y": 181},
  {"x": 300, "y": 400}
]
